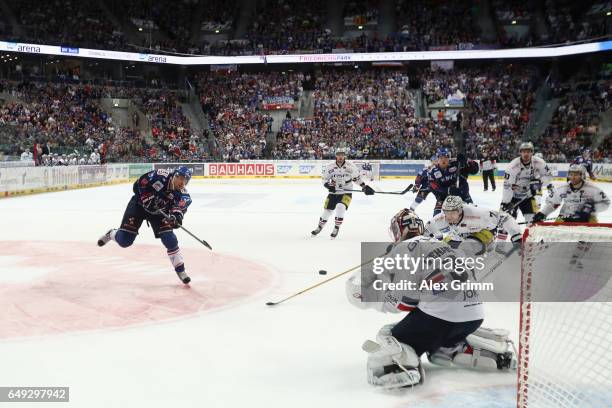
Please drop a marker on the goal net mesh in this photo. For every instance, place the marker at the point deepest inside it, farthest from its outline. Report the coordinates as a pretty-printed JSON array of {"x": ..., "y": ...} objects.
[{"x": 565, "y": 345}]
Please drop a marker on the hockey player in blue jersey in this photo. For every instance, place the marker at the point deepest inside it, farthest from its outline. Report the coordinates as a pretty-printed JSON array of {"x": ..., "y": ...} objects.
[
  {"x": 443, "y": 178},
  {"x": 585, "y": 161},
  {"x": 155, "y": 192},
  {"x": 421, "y": 184}
]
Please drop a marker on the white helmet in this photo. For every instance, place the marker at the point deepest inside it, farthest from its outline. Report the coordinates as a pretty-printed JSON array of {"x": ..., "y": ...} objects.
[
  {"x": 526, "y": 146},
  {"x": 577, "y": 168},
  {"x": 452, "y": 203},
  {"x": 340, "y": 150},
  {"x": 405, "y": 225}
]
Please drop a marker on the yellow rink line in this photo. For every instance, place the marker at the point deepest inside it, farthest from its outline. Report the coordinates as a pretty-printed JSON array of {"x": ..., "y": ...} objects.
[{"x": 8, "y": 194}]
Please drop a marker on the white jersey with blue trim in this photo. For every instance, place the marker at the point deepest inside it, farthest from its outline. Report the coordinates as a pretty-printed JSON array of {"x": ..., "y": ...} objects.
[
  {"x": 518, "y": 178},
  {"x": 473, "y": 220},
  {"x": 575, "y": 199},
  {"x": 342, "y": 177}
]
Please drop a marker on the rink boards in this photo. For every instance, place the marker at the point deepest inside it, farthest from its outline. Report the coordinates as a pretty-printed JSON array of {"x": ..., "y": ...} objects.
[{"x": 31, "y": 180}]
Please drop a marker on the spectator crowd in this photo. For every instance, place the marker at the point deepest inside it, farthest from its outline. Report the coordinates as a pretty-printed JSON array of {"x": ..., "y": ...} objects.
[{"x": 292, "y": 26}]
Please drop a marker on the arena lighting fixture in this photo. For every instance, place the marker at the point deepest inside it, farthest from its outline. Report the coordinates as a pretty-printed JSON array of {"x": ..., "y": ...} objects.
[
  {"x": 513, "y": 21},
  {"x": 347, "y": 58},
  {"x": 360, "y": 27},
  {"x": 609, "y": 13},
  {"x": 216, "y": 31},
  {"x": 139, "y": 28}
]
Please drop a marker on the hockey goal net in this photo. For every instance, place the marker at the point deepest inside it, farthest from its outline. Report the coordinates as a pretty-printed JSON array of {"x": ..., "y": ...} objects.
[{"x": 565, "y": 345}]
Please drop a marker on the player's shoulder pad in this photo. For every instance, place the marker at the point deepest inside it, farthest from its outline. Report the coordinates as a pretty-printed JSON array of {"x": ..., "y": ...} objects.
[
  {"x": 515, "y": 163},
  {"x": 440, "y": 217},
  {"x": 538, "y": 161},
  {"x": 591, "y": 185}
]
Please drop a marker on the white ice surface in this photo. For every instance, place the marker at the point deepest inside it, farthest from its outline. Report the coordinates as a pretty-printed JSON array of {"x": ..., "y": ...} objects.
[{"x": 303, "y": 353}]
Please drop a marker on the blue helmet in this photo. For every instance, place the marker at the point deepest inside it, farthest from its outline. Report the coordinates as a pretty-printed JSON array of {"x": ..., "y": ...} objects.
[
  {"x": 185, "y": 172},
  {"x": 442, "y": 152}
]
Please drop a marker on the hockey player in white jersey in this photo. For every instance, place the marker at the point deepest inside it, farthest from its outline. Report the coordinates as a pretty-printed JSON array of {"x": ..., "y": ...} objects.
[
  {"x": 444, "y": 324},
  {"x": 339, "y": 177},
  {"x": 579, "y": 199},
  {"x": 459, "y": 222},
  {"x": 524, "y": 177}
]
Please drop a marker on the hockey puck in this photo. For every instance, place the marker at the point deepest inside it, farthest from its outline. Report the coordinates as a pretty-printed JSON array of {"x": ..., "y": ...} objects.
[{"x": 322, "y": 272}]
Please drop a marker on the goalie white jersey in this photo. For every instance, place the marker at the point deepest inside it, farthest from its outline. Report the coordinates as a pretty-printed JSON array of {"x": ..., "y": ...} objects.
[
  {"x": 342, "y": 177},
  {"x": 474, "y": 220},
  {"x": 519, "y": 178},
  {"x": 575, "y": 200},
  {"x": 441, "y": 301}
]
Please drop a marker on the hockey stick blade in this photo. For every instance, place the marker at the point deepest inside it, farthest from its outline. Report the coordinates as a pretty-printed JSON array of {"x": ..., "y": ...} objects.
[{"x": 322, "y": 282}]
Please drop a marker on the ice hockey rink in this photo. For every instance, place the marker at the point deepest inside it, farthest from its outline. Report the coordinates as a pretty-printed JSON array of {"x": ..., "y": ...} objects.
[{"x": 117, "y": 326}]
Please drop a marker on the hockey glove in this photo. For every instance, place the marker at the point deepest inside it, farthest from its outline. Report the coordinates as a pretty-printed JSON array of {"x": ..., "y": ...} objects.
[
  {"x": 329, "y": 187},
  {"x": 535, "y": 186},
  {"x": 472, "y": 167},
  {"x": 176, "y": 219},
  {"x": 367, "y": 190},
  {"x": 538, "y": 217},
  {"x": 507, "y": 207},
  {"x": 585, "y": 214}
]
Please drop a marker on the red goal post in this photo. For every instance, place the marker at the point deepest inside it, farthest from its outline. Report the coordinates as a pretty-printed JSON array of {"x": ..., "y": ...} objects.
[{"x": 565, "y": 348}]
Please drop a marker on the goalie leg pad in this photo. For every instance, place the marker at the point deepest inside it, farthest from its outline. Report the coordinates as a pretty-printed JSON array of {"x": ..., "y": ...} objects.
[
  {"x": 486, "y": 349},
  {"x": 392, "y": 364}
]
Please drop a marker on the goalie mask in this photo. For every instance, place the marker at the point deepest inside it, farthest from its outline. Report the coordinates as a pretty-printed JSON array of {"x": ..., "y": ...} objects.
[{"x": 405, "y": 225}]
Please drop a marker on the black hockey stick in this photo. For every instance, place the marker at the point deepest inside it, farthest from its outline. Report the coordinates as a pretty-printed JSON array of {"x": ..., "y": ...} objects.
[
  {"x": 201, "y": 241},
  {"x": 389, "y": 248},
  {"x": 515, "y": 205},
  {"x": 407, "y": 189},
  {"x": 531, "y": 222}
]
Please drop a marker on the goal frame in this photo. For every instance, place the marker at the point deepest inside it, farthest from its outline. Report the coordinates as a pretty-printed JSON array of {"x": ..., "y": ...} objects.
[{"x": 525, "y": 323}]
